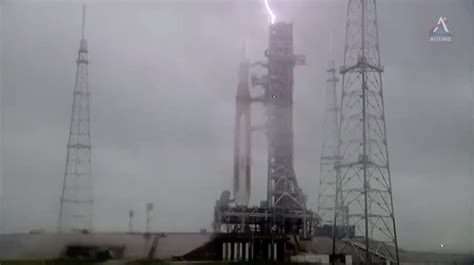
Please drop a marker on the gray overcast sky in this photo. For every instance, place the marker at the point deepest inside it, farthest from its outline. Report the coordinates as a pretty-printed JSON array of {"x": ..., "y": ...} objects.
[{"x": 163, "y": 76}]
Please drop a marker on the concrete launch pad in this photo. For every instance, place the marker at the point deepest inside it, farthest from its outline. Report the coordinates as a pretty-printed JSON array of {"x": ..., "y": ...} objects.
[{"x": 195, "y": 247}]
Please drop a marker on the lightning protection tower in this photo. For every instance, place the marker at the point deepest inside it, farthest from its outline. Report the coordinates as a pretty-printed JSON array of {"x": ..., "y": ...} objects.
[
  {"x": 330, "y": 150},
  {"x": 364, "y": 183},
  {"x": 75, "y": 213}
]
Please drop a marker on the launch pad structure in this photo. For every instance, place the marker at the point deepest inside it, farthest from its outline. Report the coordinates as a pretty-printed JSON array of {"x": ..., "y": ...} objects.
[
  {"x": 355, "y": 203},
  {"x": 260, "y": 232}
]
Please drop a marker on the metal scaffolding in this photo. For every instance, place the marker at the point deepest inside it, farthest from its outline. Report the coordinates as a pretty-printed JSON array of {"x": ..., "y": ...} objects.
[{"x": 283, "y": 189}]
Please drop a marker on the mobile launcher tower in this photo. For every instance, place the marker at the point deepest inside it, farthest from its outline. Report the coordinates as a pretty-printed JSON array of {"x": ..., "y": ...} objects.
[{"x": 261, "y": 232}]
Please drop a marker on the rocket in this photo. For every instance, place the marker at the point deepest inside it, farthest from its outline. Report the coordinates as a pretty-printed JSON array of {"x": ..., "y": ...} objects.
[{"x": 242, "y": 141}]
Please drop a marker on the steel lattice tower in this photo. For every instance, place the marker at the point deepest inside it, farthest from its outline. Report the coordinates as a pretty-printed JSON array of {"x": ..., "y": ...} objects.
[
  {"x": 283, "y": 189},
  {"x": 330, "y": 150},
  {"x": 364, "y": 184},
  {"x": 76, "y": 199}
]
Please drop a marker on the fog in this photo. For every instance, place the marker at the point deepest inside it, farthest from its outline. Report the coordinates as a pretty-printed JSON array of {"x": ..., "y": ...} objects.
[{"x": 163, "y": 76}]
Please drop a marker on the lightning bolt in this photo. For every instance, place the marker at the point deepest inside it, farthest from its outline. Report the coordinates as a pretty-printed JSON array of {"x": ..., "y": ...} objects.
[{"x": 270, "y": 12}]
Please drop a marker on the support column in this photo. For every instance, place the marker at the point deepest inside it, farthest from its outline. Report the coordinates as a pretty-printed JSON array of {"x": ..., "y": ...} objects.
[
  {"x": 275, "y": 256},
  {"x": 252, "y": 249},
  {"x": 229, "y": 251},
  {"x": 224, "y": 251},
  {"x": 241, "y": 251},
  {"x": 236, "y": 251},
  {"x": 247, "y": 251}
]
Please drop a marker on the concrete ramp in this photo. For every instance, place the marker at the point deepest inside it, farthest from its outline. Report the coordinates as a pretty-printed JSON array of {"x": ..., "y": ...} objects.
[{"x": 137, "y": 246}]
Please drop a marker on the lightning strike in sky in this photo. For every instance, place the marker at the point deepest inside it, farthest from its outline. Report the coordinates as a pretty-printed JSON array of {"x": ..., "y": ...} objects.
[{"x": 270, "y": 12}]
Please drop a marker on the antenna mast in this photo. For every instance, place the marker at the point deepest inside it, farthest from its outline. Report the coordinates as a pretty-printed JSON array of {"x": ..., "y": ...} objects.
[
  {"x": 75, "y": 212},
  {"x": 83, "y": 21}
]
